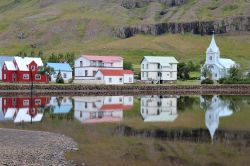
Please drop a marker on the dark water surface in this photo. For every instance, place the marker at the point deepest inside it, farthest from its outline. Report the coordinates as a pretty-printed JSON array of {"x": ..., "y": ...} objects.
[{"x": 140, "y": 130}]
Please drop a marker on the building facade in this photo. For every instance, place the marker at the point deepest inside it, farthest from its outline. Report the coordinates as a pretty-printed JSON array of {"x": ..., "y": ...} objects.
[
  {"x": 158, "y": 69},
  {"x": 23, "y": 70},
  {"x": 159, "y": 108},
  {"x": 64, "y": 68},
  {"x": 115, "y": 76},
  {"x": 87, "y": 66},
  {"x": 219, "y": 67}
]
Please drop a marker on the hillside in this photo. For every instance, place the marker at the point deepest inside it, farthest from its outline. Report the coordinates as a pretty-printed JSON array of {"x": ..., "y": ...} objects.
[{"x": 87, "y": 26}]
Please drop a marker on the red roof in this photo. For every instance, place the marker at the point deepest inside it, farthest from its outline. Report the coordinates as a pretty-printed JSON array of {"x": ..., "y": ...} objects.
[
  {"x": 107, "y": 72},
  {"x": 103, "y": 58}
]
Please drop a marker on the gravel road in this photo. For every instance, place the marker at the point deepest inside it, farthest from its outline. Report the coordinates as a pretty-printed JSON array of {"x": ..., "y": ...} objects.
[{"x": 19, "y": 147}]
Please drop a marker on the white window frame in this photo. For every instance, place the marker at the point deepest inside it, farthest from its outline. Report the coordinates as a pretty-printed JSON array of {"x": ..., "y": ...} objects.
[
  {"x": 26, "y": 102},
  {"x": 26, "y": 76},
  {"x": 40, "y": 77},
  {"x": 38, "y": 101},
  {"x": 64, "y": 75}
]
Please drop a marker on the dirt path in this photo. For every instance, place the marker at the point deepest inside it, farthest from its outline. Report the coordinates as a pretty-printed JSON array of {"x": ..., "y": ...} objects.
[{"x": 19, "y": 147}]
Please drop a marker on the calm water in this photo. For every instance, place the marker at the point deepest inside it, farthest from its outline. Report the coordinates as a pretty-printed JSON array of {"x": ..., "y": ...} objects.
[{"x": 140, "y": 130}]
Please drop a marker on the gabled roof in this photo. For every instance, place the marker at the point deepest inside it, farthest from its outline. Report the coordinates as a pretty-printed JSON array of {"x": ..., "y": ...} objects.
[
  {"x": 60, "y": 66},
  {"x": 107, "y": 72},
  {"x": 10, "y": 65},
  {"x": 23, "y": 63},
  {"x": 213, "y": 46},
  {"x": 227, "y": 63},
  {"x": 109, "y": 59},
  {"x": 163, "y": 60},
  {"x": 5, "y": 58}
]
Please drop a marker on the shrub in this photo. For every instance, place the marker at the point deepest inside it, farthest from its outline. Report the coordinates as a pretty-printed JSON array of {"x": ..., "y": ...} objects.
[{"x": 207, "y": 81}]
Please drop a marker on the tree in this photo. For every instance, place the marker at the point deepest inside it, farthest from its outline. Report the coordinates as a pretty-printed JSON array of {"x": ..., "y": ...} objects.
[
  {"x": 206, "y": 73},
  {"x": 53, "y": 58},
  {"x": 183, "y": 71},
  {"x": 48, "y": 71},
  {"x": 234, "y": 73},
  {"x": 59, "y": 78},
  {"x": 128, "y": 65}
]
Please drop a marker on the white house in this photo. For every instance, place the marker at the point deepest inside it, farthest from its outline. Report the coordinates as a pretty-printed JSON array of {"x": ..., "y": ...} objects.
[
  {"x": 218, "y": 67},
  {"x": 159, "y": 69},
  {"x": 64, "y": 68},
  {"x": 159, "y": 108},
  {"x": 115, "y": 76},
  {"x": 2, "y": 60},
  {"x": 215, "y": 109},
  {"x": 100, "y": 109},
  {"x": 87, "y": 66}
]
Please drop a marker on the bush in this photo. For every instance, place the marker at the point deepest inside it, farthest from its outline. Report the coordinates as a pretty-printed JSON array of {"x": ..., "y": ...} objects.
[
  {"x": 60, "y": 80},
  {"x": 207, "y": 81}
]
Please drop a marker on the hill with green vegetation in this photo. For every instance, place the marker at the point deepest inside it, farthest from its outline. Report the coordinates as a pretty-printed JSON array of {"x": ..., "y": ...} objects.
[{"x": 87, "y": 27}]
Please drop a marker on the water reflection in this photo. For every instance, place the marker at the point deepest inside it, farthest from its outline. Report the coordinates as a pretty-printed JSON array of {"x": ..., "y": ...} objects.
[
  {"x": 98, "y": 109},
  {"x": 60, "y": 105},
  {"x": 215, "y": 108},
  {"x": 159, "y": 108},
  {"x": 23, "y": 109}
]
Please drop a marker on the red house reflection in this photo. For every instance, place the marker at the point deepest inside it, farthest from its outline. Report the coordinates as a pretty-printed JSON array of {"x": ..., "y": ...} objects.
[{"x": 24, "y": 109}]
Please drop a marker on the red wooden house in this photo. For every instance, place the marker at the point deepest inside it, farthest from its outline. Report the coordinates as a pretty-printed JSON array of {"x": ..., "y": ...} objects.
[{"x": 23, "y": 70}]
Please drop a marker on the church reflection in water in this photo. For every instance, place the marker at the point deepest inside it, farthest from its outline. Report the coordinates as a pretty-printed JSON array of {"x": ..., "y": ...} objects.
[
  {"x": 159, "y": 108},
  {"x": 215, "y": 108},
  {"x": 100, "y": 109},
  {"x": 23, "y": 109}
]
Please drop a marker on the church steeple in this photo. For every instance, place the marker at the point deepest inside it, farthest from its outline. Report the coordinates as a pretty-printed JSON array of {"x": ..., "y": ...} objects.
[{"x": 213, "y": 46}]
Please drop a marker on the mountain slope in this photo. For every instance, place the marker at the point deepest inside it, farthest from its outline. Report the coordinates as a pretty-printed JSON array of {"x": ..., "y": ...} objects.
[{"x": 86, "y": 26}]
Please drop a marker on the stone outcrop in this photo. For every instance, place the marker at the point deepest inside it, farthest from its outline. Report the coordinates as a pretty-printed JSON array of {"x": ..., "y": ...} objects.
[
  {"x": 197, "y": 27},
  {"x": 130, "y": 4}
]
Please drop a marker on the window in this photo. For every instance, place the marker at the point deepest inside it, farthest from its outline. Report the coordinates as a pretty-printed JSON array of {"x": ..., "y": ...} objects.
[
  {"x": 4, "y": 76},
  {"x": 158, "y": 66},
  {"x": 142, "y": 74},
  {"x": 86, "y": 72},
  {"x": 86, "y": 105},
  {"x": 26, "y": 76},
  {"x": 210, "y": 57},
  {"x": 110, "y": 99},
  {"x": 33, "y": 68},
  {"x": 81, "y": 64},
  {"x": 171, "y": 74},
  {"x": 26, "y": 102},
  {"x": 110, "y": 80},
  {"x": 80, "y": 114},
  {"x": 120, "y": 79},
  {"x": 146, "y": 74},
  {"x": 112, "y": 64},
  {"x": 147, "y": 66},
  {"x": 120, "y": 99},
  {"x": 94, "y": 73},
  {"x": 64, "y": 75},
  {"x": 5, "y": 68},
  {"x": 130, "y": 98},
  {"x": 38, "y": 102},
  {"x": 142, "y": 66},
  {"x": 215, "y": 74},
  {"x": 130, "y": 79},
  {"x": 38, "y": 77}
]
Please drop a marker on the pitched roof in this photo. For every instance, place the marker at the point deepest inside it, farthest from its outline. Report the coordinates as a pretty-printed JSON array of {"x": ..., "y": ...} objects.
[
  {"x": 10, "y": 65},
  {"x": 103, "y": 58},
  {"x": 107, "y": 72},
  {"x": 23, "y": 62},
  {"x": 60, "y": 66},
  {"x": 163, "y": 60},
  {"x": 227, "y": 63},
  {"x": 213, "y": 46}
]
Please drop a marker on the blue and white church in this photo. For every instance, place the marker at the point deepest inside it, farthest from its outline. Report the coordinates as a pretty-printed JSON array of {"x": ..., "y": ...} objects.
[{"x": 218, "y": 67}]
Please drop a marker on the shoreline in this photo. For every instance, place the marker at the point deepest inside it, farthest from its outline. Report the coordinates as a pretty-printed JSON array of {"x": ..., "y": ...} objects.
[
  {"x": 82, "y": 89},
  {"x": 35, "y": 147}
]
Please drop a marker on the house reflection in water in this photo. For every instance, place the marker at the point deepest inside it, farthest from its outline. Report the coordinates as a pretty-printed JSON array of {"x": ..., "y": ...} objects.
[
  {"x": 159, "y": 108},
  {"x": 215, "y": 109},
  {"x": 23, "y": 109},
  {"x": 100, "y": 109},
  {"x": 60, "y": 105}
]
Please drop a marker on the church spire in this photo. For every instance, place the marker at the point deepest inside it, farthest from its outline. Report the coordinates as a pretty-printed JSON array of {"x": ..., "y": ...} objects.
[{"x": 213, "y": 46}]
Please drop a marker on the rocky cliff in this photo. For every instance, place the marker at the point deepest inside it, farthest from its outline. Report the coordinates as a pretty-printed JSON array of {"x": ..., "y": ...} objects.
[
  {"x": 130, "y": 4},
  {"x": 197, "y": 27}
]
